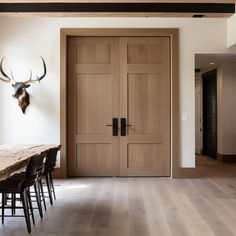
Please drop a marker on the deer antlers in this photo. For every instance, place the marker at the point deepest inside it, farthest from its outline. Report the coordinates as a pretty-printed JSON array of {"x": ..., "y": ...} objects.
[
  {"x": 8, "y": 79},
  {"x": 38, "y": 78},
  {"x": 12, "y": 80}
]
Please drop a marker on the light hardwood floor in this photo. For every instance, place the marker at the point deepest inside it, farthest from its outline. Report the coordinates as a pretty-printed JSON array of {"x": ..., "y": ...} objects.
[{"x": 141, "y": 206}]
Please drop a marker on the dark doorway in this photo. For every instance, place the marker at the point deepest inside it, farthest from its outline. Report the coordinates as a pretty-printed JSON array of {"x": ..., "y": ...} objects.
[{"x": 209, "y": 81}]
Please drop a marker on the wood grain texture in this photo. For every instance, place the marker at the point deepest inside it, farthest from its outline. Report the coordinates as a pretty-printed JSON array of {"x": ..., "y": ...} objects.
[
  {"x": 94, "y": 93},
  {"x": 14, "y": 157},
  {"x": 204, "y": 206},
  {"x": 93, "y": 96},
  {"x": 145, "y": 102}
]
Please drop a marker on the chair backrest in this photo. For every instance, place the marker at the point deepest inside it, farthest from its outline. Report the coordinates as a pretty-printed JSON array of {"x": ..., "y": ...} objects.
[
  {"x": 51, "y": 158},
  {"x": 35, "y": 163},
  {"x": 40, "y": 169}
]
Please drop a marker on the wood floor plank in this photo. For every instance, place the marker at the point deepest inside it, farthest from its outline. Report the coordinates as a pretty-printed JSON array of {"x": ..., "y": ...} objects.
[
  {"x": 215, "y": 190},
  {"x": 119, "y": 223},
  {"x": 137, "y": 211},
  {"x": 230, "y": 204},
  {"x": 206, "y": 212},
  {"x": 102, "y": 212},
  {"x": 174, "y": 218},
  {"x": 156, "y": 220},
  {"x": 226, "y": 185},
  {"x": 192, "y": 218},
  {"x": 212, "y": 200},
  {"x": 85, "y": 207}
]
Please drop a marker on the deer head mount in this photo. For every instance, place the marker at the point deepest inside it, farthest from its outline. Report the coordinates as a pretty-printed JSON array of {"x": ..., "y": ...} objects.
[{"x": 20, "y": 92}]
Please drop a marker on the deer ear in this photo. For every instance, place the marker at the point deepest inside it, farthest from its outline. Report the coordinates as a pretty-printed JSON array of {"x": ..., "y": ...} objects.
[{"x": 27, "y": 86}]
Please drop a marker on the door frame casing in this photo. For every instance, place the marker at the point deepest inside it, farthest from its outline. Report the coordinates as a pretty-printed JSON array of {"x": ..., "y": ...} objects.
[{"x": 173, "y": 33}]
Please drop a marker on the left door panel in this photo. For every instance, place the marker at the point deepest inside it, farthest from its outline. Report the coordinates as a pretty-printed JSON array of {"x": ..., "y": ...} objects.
[{"x": 92, "y": 104}]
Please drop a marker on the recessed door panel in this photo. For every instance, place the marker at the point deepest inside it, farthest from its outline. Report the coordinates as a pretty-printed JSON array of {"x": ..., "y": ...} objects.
[
  {"x": 93, "y": 103},
  {"x": 144, "y": 104},
  {"x": 141, "y": 53},
  {"x": 93, "y": 155},
  {"x": 93, "y": 53},
  {"x": 144, "y": 155}
]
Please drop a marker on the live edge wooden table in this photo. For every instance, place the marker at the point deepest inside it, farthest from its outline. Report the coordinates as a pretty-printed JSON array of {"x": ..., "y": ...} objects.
[{"x": 15, "y": 157}]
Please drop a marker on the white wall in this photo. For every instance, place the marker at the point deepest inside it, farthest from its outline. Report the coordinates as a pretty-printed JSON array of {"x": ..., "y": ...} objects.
[{"x": 24, "y": 39}]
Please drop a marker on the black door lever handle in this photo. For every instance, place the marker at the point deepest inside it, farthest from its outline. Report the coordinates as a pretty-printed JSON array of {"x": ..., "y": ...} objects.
[
  {"x": 123, "y": 126},
  {"x": 114, "y": 126}
]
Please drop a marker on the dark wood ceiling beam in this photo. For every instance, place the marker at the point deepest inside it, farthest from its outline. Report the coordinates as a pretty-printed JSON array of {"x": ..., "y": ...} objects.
[
  {"x": 198, "y": 8},
  {"x": 118, "y": 1}
]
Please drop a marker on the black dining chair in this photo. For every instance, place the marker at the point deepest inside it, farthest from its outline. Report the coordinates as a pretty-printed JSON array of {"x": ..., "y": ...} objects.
[
  {"x": 46, "y": 172},
  {"x": 49, "y": 167},
  {"x": 38, "y": 187},
  {"x": 22, "y": 186}
]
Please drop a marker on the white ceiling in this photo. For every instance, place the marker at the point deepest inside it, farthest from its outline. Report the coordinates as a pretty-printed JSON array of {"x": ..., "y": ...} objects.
[{"x": 202, "y": 61}]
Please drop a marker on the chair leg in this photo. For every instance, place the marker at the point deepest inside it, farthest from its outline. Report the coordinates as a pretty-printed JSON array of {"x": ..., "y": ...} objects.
[
  {"x": 26, "y": 209},
  {"x": 53, "y": 189},
  {"x": 12, "y": 204},
  {"x": 37, "y": 194},
  {"x": 42, "y": 192},
  {"x": 49, "y": 188},
  {"x": 30, "y": 205},
  {"x": 3, "y": 206}
]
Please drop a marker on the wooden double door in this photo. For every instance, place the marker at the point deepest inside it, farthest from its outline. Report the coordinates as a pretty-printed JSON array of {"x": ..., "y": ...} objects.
[{"x": 119, "y": 106}]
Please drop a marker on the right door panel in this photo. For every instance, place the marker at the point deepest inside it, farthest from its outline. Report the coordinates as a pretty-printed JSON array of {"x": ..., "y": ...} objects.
[{"x": 145, "y": 103}]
